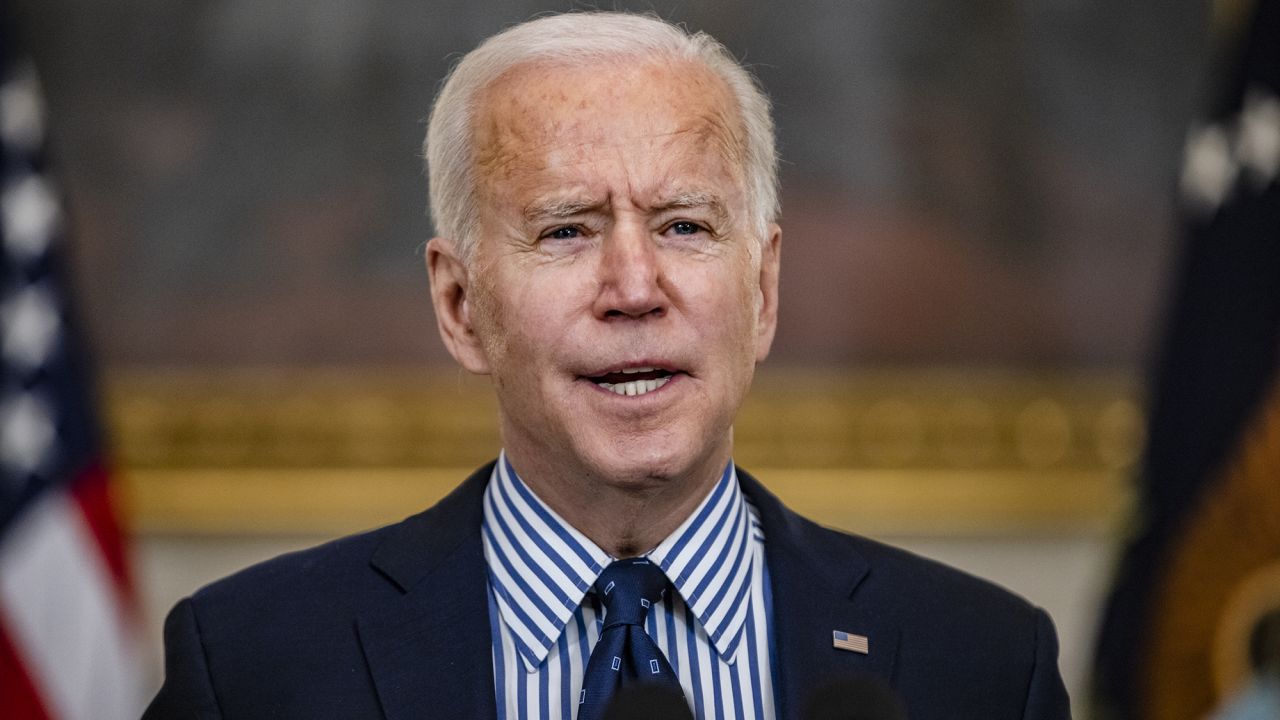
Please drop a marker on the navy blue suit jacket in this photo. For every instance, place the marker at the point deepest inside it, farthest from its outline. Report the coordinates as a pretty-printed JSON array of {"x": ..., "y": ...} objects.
[{"x": 394, "y": 623}]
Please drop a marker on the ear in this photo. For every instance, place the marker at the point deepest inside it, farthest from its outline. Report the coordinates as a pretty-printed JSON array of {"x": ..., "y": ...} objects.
[
  {"x": 450, "y": 296},
  {"x": 767, "y": 320}
]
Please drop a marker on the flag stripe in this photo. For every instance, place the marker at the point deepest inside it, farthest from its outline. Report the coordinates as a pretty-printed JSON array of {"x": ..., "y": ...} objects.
[
  {"x": 65, "y": 623},
  {"x": 18, "y": 696},
  {"x": 92, "y": 492}
]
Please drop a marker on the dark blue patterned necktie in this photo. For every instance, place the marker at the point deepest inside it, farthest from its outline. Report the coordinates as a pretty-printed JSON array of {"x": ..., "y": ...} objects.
[{"x": 625, "y": 654}]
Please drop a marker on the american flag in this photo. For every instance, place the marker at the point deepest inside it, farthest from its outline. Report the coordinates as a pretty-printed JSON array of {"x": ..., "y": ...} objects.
[
  {"x": 849, "y": 641},
  {"x": 1161, "y": 650},
  {"x": 69, "y": 641}
]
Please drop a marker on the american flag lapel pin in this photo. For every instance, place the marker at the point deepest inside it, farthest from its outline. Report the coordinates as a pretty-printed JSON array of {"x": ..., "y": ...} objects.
[{"x": 842, "y": 640}]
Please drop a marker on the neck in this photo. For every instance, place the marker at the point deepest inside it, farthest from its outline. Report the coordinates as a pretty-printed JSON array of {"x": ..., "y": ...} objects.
[{"x": 624, "y": 517}]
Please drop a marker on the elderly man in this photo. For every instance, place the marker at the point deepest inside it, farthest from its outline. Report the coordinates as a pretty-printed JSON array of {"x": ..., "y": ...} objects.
[{"x": 604, "y": 186}]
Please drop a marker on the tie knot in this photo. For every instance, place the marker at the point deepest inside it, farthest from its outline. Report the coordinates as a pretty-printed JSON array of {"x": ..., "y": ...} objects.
[{"x": 628, "y": 588}]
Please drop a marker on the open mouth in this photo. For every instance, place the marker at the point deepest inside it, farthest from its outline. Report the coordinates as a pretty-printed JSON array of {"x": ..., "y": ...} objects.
[{"x": 633, "y": 381}]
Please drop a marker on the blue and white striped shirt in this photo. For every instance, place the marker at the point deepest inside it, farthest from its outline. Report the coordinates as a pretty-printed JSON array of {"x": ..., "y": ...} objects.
[{"x": 545, "y": 618}]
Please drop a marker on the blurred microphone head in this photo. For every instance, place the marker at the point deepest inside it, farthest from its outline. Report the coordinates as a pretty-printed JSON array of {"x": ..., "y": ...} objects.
[
  {"x": 648, "y": 702},
  {"x": 854, "y": 697}
]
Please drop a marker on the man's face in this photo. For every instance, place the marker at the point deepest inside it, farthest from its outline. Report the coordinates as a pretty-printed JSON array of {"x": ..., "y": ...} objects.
[{"x": 617, "y": 293}]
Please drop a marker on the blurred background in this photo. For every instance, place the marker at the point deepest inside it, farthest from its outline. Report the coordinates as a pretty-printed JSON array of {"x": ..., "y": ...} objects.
[
  {"x": 981, "y": 242},
  {"x": 976, "y": 185}
]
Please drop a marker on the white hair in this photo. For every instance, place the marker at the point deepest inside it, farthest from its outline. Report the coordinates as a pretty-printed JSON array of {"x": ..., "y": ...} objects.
[{"x": 583, "y": 36}]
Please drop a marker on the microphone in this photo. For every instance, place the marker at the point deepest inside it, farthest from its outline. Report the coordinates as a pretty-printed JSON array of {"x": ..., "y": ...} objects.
[
  {"x": 854, "y": 697},
  {"x": 648, "y": 701}
]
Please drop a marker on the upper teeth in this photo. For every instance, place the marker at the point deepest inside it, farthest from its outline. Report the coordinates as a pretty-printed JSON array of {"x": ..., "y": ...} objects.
[
  {"x": 633, "y": 371},
  {"x": 635, "y": 387}
]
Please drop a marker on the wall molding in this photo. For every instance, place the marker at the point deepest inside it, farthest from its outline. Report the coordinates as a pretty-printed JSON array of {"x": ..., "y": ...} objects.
[{"x": 328, "y": 451}]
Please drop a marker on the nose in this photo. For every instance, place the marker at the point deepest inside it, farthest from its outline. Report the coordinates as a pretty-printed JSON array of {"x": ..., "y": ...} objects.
[{"x": 631, "y": 279}]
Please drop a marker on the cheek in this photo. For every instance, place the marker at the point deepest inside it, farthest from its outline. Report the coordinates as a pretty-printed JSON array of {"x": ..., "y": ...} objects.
[
  {"x": 729, "y": 295},
  {"x": 488, "y": 320},
  {"x": 524, "y": 322}
]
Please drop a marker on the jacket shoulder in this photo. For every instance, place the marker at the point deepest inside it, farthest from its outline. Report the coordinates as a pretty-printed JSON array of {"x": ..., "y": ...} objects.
[
  {"x": 333, "y": 567},
  {"x": 958, "y": 645},
  {"x": 283, "y": 637},
  {"x": 362, "y": 566},
  {"x": 966, "y": 647},
  {"x": 921, "y": 584},
  {"x": 934, "y": 585}
]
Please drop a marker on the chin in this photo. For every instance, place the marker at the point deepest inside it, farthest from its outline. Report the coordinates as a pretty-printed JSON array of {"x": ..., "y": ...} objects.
[{"x": 640, "y": 464}]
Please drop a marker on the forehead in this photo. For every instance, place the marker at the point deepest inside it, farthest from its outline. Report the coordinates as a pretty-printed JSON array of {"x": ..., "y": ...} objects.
[{"x": 542, "y": 115}]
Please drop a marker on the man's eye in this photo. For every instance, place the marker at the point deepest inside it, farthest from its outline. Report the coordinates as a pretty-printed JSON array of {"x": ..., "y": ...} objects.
[
  {"x": 684, "y": 227},
  {"x": 568, "y": 232}
]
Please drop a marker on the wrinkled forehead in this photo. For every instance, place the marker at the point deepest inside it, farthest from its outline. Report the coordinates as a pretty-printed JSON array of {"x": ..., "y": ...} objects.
[{"x": 543, "y": 107}]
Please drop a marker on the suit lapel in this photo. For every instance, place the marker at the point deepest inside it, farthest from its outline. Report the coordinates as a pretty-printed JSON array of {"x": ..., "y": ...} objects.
[
  {"x": 428, "y": 646},
  {"x": 814, "y": 576}
]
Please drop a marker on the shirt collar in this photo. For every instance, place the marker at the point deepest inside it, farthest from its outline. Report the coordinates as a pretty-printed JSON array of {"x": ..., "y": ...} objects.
[
  {"x": 541, "y": 567},
  {"x": 710, "y": 562}
]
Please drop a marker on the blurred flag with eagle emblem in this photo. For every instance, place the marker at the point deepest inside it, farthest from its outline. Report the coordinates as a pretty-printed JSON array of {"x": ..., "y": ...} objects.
[{"x": 1202, "y": 570}]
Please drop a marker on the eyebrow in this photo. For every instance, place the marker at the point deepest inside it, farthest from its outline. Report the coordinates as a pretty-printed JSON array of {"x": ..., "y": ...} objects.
[
  {"x": 556, "y": 209},
  {"x": 694, "y": 199}
]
